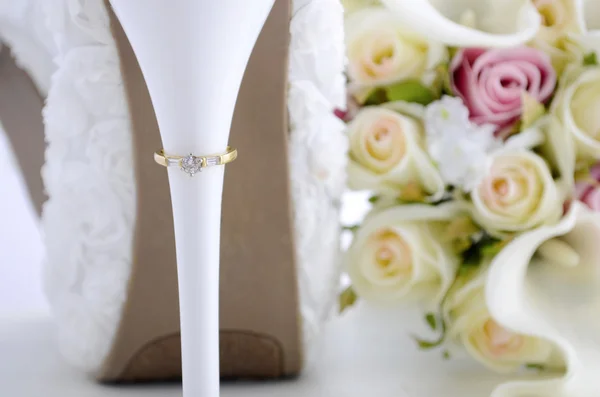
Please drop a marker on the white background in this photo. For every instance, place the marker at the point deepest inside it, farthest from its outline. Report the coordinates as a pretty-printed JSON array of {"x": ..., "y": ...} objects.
[{"x": 20, "y": 245}]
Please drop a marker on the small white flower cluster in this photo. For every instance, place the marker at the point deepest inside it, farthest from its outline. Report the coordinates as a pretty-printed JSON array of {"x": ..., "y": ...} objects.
[{"x": 460, "y": 148}]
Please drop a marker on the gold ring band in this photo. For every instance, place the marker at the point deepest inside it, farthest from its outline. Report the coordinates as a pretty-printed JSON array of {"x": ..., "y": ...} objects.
[{"x": 191, "y": 164}]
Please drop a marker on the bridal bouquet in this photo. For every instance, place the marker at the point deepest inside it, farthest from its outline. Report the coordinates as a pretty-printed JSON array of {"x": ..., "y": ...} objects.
[{"x": 477, "y": 130}]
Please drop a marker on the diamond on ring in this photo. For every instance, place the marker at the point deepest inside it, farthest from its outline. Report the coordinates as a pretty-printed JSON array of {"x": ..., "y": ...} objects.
[{"x": 191, "y": 164}]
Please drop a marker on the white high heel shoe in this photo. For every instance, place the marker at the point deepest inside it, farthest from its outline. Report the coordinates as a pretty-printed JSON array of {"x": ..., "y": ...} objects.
[{"x": 111, "y": 276}]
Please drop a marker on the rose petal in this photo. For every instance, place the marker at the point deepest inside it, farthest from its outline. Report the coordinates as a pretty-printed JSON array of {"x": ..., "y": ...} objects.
[
  {"x": 584, "y": 81},
  {"x": 595, "y": 172},
  {"x": 581, "y": 190},
  {"x": 592, "y": 199}
]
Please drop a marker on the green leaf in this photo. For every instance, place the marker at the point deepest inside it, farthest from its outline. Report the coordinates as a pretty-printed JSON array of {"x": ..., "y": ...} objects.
[
  {"x": 452, "y": 51},
  {"x": 351, "y": 228},
  {"x": 410, "y": 91},
  {"x": 536, "y": 367},
  {"x": 515, "y": 128},
  {"x": 485, "y": 246},
  {"x": 412, "y": 192},
  {"x": 464, "y": 271},
  {"x": 590, "y": 59},
  {"x": 472, "y": 257},
  {"x": 377, "y": 97},
  {"x": 442, "y": 83},
  {"x": 436, "y": 323},
  {"x": 491, "y": 246},
  {"x": 427, "y": 344},
  {"x": 347, "y": 299},
  {"x": 493, "y": 249},
  {"x": 532, "y": 110},
  {"x": 431, "y": 320},
  {"x": 459, "y": 232}
]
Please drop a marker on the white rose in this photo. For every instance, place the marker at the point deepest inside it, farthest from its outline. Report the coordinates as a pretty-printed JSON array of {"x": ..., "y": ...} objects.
[
  {"x": 381, "y": 51},
  {"x": 398, "y": 255},
  {"x": 559, "y": 17},
  {"x": 499, "y": 349},
  {"x": 518, "y": 193},
  {"x": 562, "y": 20},
  {"x": 387, "y": 154},
  {"x": 577, "y": 107}
]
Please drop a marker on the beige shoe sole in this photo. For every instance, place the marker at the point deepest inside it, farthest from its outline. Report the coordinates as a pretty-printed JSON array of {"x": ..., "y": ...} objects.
[
  {"x": 260, "y": 321},
  {"x": 21, "y": 116}
]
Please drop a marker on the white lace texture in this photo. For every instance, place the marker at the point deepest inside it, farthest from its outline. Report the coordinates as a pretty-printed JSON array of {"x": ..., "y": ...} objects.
[
  {"x": 318, "y": 150},
  {"x": 89, "y": 218}
]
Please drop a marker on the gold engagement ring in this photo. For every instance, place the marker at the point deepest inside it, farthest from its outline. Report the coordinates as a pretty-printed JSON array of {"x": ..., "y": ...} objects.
[{"x": 191, "y": 164}]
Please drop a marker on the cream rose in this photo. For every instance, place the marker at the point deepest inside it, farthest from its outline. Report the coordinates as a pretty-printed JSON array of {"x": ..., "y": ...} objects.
[
  {"x": 561, "y": 21},
  {"x": 387, "y": 154},
  {"x": 498, "y": 348},
  {"x": 380, "y": 51},
  {"x": 518, "y": 193},
  {"x": 577, "y": 107},
  {"x": 398, "y": 255},
  {"x": 559, "y": 17}
]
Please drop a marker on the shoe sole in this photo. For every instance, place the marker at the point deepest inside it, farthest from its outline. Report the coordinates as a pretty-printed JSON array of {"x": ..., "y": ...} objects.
[{"x": 21, "y": 114}]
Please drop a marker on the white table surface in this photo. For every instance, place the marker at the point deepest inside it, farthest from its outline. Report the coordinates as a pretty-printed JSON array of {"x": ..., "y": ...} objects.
[{"x": 365, "y": 353}]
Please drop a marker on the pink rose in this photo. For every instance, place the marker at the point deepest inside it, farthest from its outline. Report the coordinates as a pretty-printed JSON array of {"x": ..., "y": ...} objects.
[
  {"x": 492, "y": 82},
  {"x": 589, "y": 192}
]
